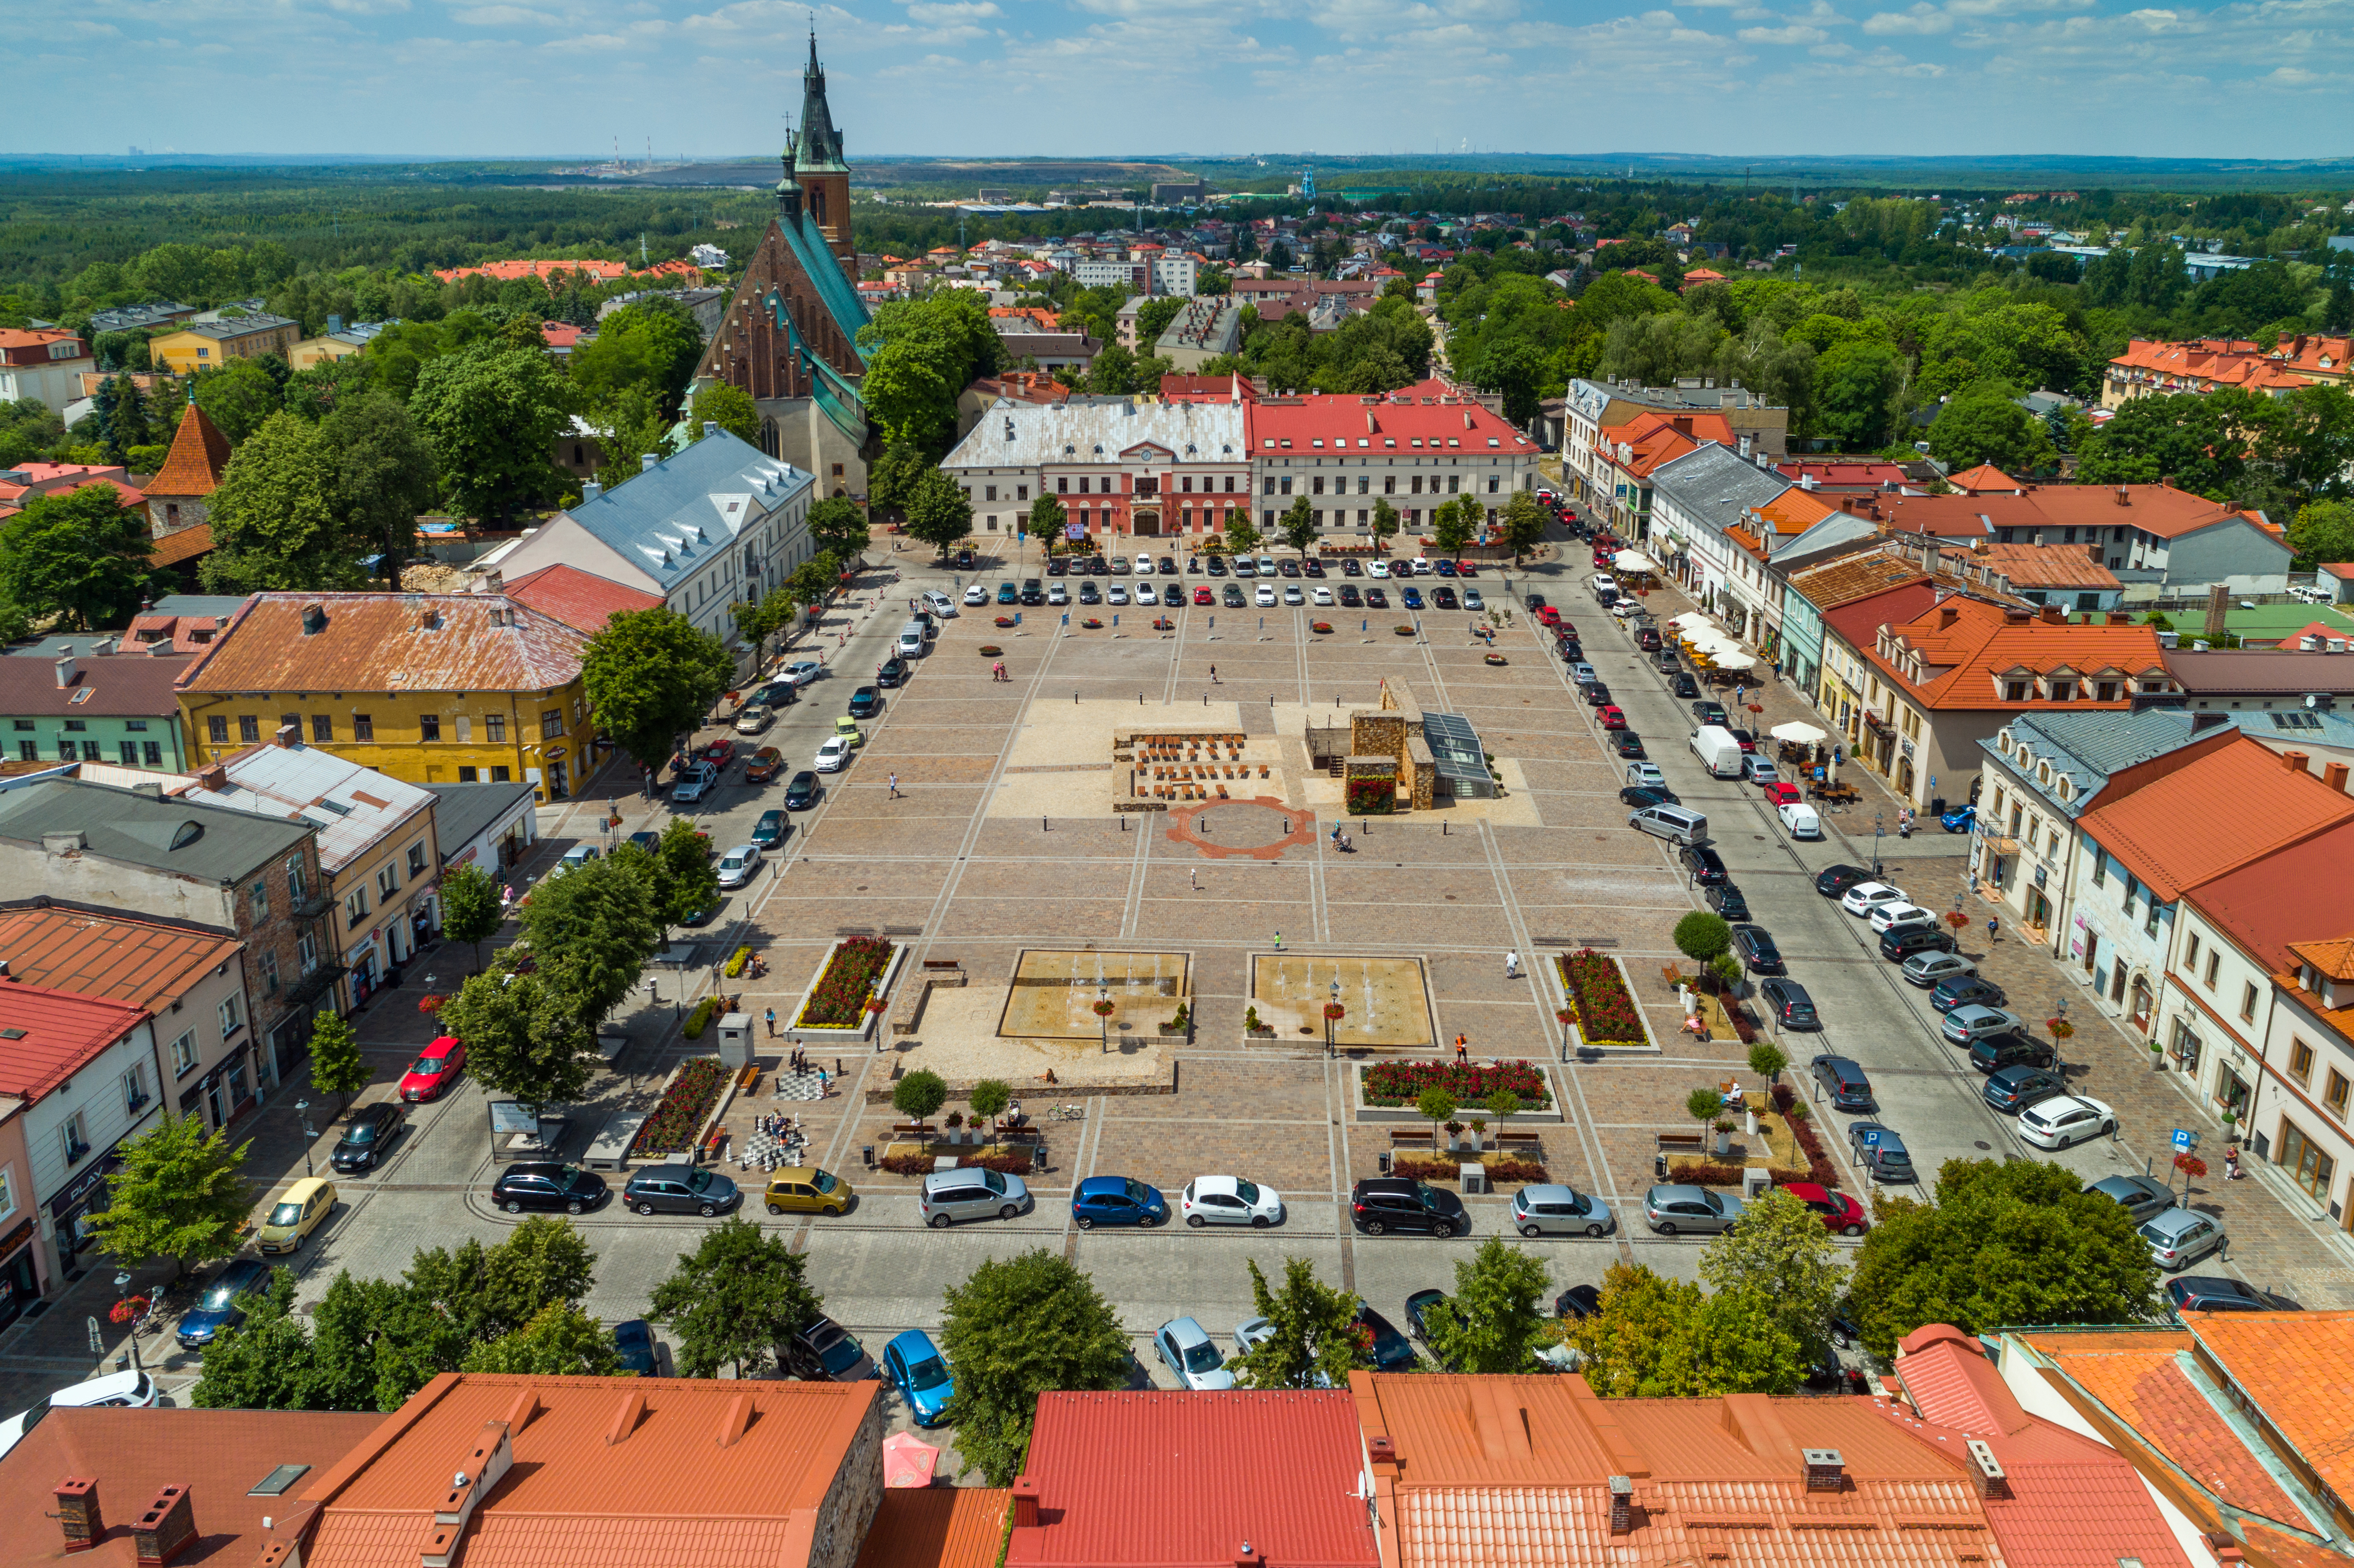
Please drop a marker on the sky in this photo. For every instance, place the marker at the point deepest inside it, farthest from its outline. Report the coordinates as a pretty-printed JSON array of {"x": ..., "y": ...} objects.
[{"x": 2266, "y": 79}]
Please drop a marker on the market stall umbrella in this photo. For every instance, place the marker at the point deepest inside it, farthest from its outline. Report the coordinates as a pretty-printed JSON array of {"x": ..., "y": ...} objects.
[
  {"x": 1634, "y": 561},
  {"x": 1729, "y": 659},
  {"x": 907, "y": 1461},
  {"x": 1798, "y": 734},
  {"x": 1689, "y": 617}
]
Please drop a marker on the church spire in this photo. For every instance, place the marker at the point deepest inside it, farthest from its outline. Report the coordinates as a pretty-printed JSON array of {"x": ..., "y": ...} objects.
[{"x": 819, "y": 146}]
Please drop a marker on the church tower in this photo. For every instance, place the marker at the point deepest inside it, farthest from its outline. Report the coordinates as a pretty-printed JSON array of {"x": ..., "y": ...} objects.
[{"x": 814, "y": 155}]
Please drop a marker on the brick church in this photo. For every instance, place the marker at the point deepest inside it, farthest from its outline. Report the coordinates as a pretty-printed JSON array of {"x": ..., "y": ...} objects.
[{"x": 790, "y": 337}]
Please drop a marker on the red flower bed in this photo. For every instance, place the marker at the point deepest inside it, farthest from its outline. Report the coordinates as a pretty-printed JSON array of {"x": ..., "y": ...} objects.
[
  {"x": 684, "y": 1105},
  {"x": 1606, "y": 1013},
  {"x": 1402, "y": 1083},
  {"x": 1428, "y": 1168},
  {"x": 839, "y": 1000},
  {"x": 1371, "y": 796},
  {"x": 1819, "y": 1169},
  {"x": 1005, "y": 1161}
]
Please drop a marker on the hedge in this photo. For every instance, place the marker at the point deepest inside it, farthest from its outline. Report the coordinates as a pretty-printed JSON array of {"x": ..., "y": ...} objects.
[
  {"x": 1430, "y": 1167},
  {"x": 736, "y": 963},
  {"x": 1008, "y": 1162},
  {"x": 700, "y": 1019}
]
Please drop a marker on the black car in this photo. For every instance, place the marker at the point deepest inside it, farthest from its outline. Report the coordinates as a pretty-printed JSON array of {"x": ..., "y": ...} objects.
[
  {"x": 1033, "y": 593},
  {"x": 1097, "y": 567},
  {"x": 1705, "y": 865},
  {"x": 1709, "y": 712},
  {"x": 1535, "y": 601},
  {"x": 1375, "y": 599},
  {"x": 1965, "y": 990},
  {"x": 1311, "y": 568},
  {"x": 1992, "y": 1053},
  {"x": 1901, "y": 944},
  {"x": 1351, "y": 567},
  {"x": 1628, "y": 743},
  {"x": 1570, "y": 648},
  {"x": 1393, "y": 1203},
  {"x": 1578, "y": 1301},
  {"x": 1444, "y": 598},
  {"x": 1753, "y": 946},
  {"x": 1686, "y": 686},
  {"x": 1835, "y": 882},
  {"x": 1726, "y": 900},
  {"x": 803, "y": 792},
  {"x": 680, "y": 1190},
  {"x": 1641, "y": 794},
  {"x": 891, "y": 672},
  {"x": 1789, "y": 1002},
  {"x": 1090, "y": 594},
  {"x": 366, "y": 1136},
  {"x": 865, "y": 702},
  {"x": 2021, "y": 1084},
  {"x": 1057, "y": 567},
  {"x": 1217, "y": 566},
  {"x": 1843, "y": 1081},
  {"x": 774, "y": 694},
  {"x": 545, "y": 1185},
  {"x": 964, "y": 560},
  {"x": 1350, "y": 597},
  {"x": 2218, "y": 1293}
]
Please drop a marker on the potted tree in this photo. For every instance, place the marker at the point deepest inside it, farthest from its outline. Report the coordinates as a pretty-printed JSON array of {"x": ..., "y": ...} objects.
[
  {"x": 1479, "y": 1133},
  {"x": 1723, "y": 1136}
]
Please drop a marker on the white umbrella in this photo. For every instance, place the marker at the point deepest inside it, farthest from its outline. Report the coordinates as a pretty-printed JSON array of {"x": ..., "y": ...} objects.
[
  {"x": 1689, "y": 619},
  {"x": 1729, "y": 660},
  {"x": 1798, "y": 734}
]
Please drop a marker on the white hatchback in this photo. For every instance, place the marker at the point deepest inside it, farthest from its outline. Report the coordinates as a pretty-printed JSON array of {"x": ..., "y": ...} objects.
[
  {"x": 1265, "y": 595},
  {"x": 1229, "y": 1201},
  {"x": 1378, "y": 569},
  {"x": 1321, "y": 595},
  {"x": 1144, "y": 566},
  {"x": 2065, "y": 1120},
  {"x": 1898, "y": 916},
  {"x": 1146, "y": 594},
  {"x": 1866, "y": 896},
  {"x": 833, "y": 756},
  {"x": 976, "y": 595}
]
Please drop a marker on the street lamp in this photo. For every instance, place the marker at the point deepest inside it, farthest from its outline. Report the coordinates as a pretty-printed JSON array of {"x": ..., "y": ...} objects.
[
  {"x": 1878, "y": 831},
  {"x": 1103, "y": 1016},
  {"x": 1333, "y": 1013},
  {"x": 303, "y": 1109},
  {"x": 121, "y": 1288}
]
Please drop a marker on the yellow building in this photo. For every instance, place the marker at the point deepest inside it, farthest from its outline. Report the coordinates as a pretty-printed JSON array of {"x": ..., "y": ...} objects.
[
  {"x": 429, "y": 688},
  {"x": 208, "y": 346}
]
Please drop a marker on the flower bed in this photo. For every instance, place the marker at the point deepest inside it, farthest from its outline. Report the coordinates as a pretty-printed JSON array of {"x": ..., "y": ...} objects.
[
  {"x": 1820, "y": 1171},
  {"x": 989, "y": 651},
  {"x": 683, "y": 1107},
  {"x": 1606, "y": 1010},
  {"x": 1402, "y": 1083},
  {"x": 1371, "y": 796},
  {"x": 1005, "y": 1161},
  {"x": 1319, "y": 626},
  {"x": 1430, "y": 1168},
  {"x": 839, "y": 998}
]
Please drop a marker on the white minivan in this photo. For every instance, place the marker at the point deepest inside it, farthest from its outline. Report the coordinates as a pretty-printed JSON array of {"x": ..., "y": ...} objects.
[
  {"x": 911, "y": 641},
  {"x": 1800, "y": 821}
]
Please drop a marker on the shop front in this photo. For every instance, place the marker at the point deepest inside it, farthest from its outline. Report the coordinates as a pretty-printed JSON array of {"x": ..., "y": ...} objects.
[
  {"x": 71, "y": 1210},
  {"x": 20, "y": 1273},
  {"x": 223, "y": 1094}
]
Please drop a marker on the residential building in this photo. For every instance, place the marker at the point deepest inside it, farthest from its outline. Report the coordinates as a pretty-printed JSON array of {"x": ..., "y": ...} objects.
[
  {"x": 1152, "y": 470},
  {"x": 1705, "y": 506},
  {"x": 1205, "y": 329},
  {"x": 1848, "y": 630},
  {"x": 179, "y": 496},
  {"x": 489, "y": 825},
  {"x": 1592, "y": 404},
  {"x": 93, "y": 704},
  {"x": 1273, "y": 296},
  {"x": 86, "y": 1071},
  {"x": 1411, "y": 447},
  {"x": 1177, "y": 273},
  {"x": 1629, "y": 455},
  {"x": 429, "y": 688},
  {"x": 1051, "y": 351},
  {"x": 22, "y": 483},
  {"x": 189, "y": 981},
  {"x": 2262, "y": 678},
  {"x": 1845, "y": 475},
  {"x": 1036, "y": 387},
  {"x": 716, "y": 525},
  {"x": 1112, "y": 272},
  {"x": 1809, "y": 591},
  {"x": 2161, "y": 544},
  {"x": 1281, "y": 1465},
  {"x": 47, "y": 363},
  {"x": 2048, "y": 574},
  {"x": 1986, "y": 480},
  {"x": 341, "y": 341},
  {"x": 1461, "y": 1472},
  {"x": 1937, "y": 684},
  {"x": 22, "y": 1281},
  {"x": 182, "y": 622},
  {"x": 2148, "y": 368},
  {"x": 203, "y": 345},
  {"x": 132, "y": 318},
  {"x": 1125, "y": 319},
  {"x": 581, "y": 600},
  {"x": 2325, "y": 733}
]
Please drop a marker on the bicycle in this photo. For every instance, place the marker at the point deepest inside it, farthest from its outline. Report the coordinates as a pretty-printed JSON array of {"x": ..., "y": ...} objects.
[{"x": 1066, "y": 1113}]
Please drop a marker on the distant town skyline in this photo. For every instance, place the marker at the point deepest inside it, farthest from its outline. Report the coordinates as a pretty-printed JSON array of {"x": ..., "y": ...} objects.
[{"x": 1084, "y": 78}]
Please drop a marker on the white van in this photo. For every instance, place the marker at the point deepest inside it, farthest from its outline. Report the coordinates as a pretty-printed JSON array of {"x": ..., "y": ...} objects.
[
  {"x": 911, "y": 641},
  {"x": 1717, "y": 750},
  {"x": 1800, "y": 821},
  {"x": 1677, "y": 824}
]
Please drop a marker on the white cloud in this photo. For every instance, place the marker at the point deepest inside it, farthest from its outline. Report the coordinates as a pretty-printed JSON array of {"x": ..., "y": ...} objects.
[
  {"x": 501, "y": 17},
  {"x": 1923, "y": 18},
  {"x": 1791, "y": 34},
  {"x": 589, "y": 43},
  {"x": 940, "y": 15}
]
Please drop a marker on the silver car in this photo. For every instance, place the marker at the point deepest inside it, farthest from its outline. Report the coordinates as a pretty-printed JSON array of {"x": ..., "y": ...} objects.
[
  {"x": 1671, "y": 1208},
  {"x": 1968, "y": 1025},
  {"x": 1925, "y": 969},
  {"x": 737, "y": 866},
  {"x": 1190, "y": 1355},
  {"x": 952, "y": 1195},
  {"x": 2143, "y": 1197},
  {"x": 2180, "y": 1237},
  {"x": 1554, "y": 1210}
]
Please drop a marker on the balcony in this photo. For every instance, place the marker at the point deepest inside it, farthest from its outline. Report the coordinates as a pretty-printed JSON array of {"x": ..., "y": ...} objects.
[
  {"x": 313, "y": 906},
  {"x": 313, "y": 985}
]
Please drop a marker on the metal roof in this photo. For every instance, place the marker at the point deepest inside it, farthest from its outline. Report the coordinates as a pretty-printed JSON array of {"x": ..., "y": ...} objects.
[
  {"x": 462, "y": 642},
  {"x": 352, "y": 806},
  {"x": 140, "y": 963},
  {"x": 57, "y": 1034},
  {"x": 462, "y": 811},
  {"x": 2089, "y": 748},
  {"x": 210, "y": 842},
  {"x": 1713, "y": 485},
  {"x": 1050, "y": 433},
  {"x": 665, "y": 520}
]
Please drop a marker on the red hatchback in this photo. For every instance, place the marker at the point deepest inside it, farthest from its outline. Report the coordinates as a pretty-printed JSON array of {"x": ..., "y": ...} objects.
[
  {"x": 1467, "y": 568},
  {"x": 1548, "y": 615},
  {"x": 434, "y": 1071},
  {"x": 1839, "y": 1211},
  {"x": 1204, "y": 596},
  {"x": 1612, "y": 718}
]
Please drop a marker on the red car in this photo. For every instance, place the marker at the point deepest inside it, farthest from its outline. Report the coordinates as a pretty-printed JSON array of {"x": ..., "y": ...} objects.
[
  {"x": 1781, "y": 793},
  {"x": 718, "y": 751},
  {"x": 1467, "y": 568},
  {"x": 1612, "y": 718},
  {"x": 765, "y": 765},
  {"x": 1204, "y": 596},
  {"x": 1840, "y": 1213},
  {"x": 434, "y": 1071},
  {"x": 1548, "y": 615}
]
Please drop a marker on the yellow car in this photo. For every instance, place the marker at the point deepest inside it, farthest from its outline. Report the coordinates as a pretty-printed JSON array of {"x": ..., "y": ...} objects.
[
  {"x": 847, "y": 729},
  {"x": 303, "y": 1209},
  {"x": 806, "y": 1189}
]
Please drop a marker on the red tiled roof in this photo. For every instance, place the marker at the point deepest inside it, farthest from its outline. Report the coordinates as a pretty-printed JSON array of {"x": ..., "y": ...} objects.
[
  {"x": 199, "y": 453},
  {"x": 182, "y": 545},
  {"x": 1858, "y": 621},
  {"x": 55, "y": 478},
  {"x": 936, "y": 1527},
  {"x": 1968, "y": 649},
  {"x": 1656, "y": 436},
  {"x": 136, "y": 963},
  {"x": 2272, "y": 904},
  {"x": 581, "y": 600},
  {"x": 2207, "y": 362},
  {"x": 1418, "y": 413},
  {"x": 61, "y": 1034},
  {"x": 1866, "y": 475},
  {"x": 1985, "y": 477},
  {"x": 1208, "y": 389},
  {"x": 2213, "y": 816},
  {"x": 1279, "y": 1469}
]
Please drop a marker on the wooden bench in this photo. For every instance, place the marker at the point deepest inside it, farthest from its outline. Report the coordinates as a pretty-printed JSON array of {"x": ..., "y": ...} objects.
[
  {"x": 1532, "y": 1142},
  {"x": 943, "y": 963},
  {"x": 1677, "y": 1143},
  {"x": 1411, "y": 1138},
  {"x": 911, "y": 1129}
]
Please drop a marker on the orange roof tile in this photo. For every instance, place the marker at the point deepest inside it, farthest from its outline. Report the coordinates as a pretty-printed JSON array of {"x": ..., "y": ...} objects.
[
  {"x": 1985, "y": 477},
  {"x": 137, "y": 962},
  {"x": 1656, "y": 436},
  {"x": 2334, "y": 958},
  {"x": 2045, "y": 566},
  {"x": 936, "y": 1527},
  {"x": 581, "y": 600},
  {"x": 1794, "y": 511},
  {"x": 182, "y": 545},
  {"x": 1967, "y": 649},
  {"x": 2215, "y": 815},
  {"x": 2272, "y": 904},
  {"x": 199, "y": 453}
]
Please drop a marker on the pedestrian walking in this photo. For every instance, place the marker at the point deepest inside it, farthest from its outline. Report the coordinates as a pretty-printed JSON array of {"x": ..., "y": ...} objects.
[
  {"x": 1279, "y": 941},
  {"x": 1994, "y": 931},
  {"x": 821, "y": 1083},
  {"x": 772, "y": 1023},
  {"x": 1511, "y": 966},
  {"x": 894, "y": 786},
  {"x": 1213, "y": 675},
  {"x": 1196, "y": 875},
  {"x": 1462, "y": 1050},
  {"x": 2231, "y": 1163}
]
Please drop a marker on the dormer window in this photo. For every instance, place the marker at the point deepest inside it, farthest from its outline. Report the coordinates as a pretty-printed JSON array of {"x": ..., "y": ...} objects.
[
  {"x": 2043, "y": 773},
  {"x": 2063, "y": 691},
  {"x": 1318, "y": 443}
]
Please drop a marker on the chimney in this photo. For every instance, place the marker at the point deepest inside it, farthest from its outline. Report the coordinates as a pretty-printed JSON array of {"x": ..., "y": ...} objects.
[
  {"x": 589, "y": 491},
  {"x": 215, "y": 777},
  {"x": 646, "y": 461},
  {"x": 2120, "y": 617},
  {"x": 710, "y": 427},
  {"x": 2055, "y": 616},
  {"x": 1025, "y": 1503},
  {"x": 485, "y": 1465},
  {"x": 1622, "y": 1505},
  {"x": 2294, "y": 761},
  {"x": 2335, "y": 776},
  {"x": 2017, "y": 615},
  {"x": 71, "y": 842},
  {"x": 1986, "y": 1471},
  {"x": 77, "y": 1512},
  {"x": 67, "y": 671},
  {"x": 1246, "y": 1558},
  {"x": 314, "y": 618},
  {"x": 1826, "y": 1469},
  {"x": 1947, "y": 614},
  {"x": 102, "y": 647},
  {"x": 2125, "y": 496},
  {"x": 167, "y": 1528},
  {"x": 287, "y": 736}
]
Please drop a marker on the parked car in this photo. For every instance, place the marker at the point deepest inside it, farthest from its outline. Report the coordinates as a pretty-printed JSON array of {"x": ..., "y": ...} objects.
[
  {"x": 1377, "y": 598},
  {"x": 2141, "y": 1196},
  {"x": 1842, "y": 1215},
  {"x": 976, "y": 593},
  {"x": 2180, "y": 1237},
  {"x": 1229, "y": 1201},
  {"x": 920, "y": 1374},
  {"x": 2022, "y": 1083},
  {"x": 634, "y": 1346},
  {"x": 1444, "y": 599},
  {"x": 1187, "y": 1350},
  {"x": 1964, "y": 1025},
  {"x": 1230, "y": 595},
  {"x": 753, "y": 719},
  {"x": 893, "y": 672},
  {"x": 1966, "y": 990},
  {"x": 762, "y": 767},
  {"x": 1843, "y": 1082},
  {"x": 866, "y": 702},
  {"x": 2221, "y": 1293},
  {"x": 803, "y": 792},
  {"x": 951, "y": 1195},
  {"x": 1202, "y": 595},
  {"x": 1753, "y": 946},
  {"x": 771, "y": 831},
  {"x": 1992, "y": 1053},
  {"x": 1612, "y": 718},
  {"x": 1473, "y": 602},
  {"x": 1788, "y": 1003},
  {"x": 1008, "y": 594},
  {"x": 1704, "y": 865},
  {"x": 2064, "y": 1120},
  {"x": 1925, "y": 969},
  {"x": 689, "y": 789},
  {"x": 1670, "y": 1209},
  {"x": 1708, "y": 711},
  {"x": 1421, "y": 1311},
  {"x": 1881, "y": 1150},
  {"x": 1896, "y": 915},
  {"x": 1578, "y": 1301},
  {"x": 217, "y": 1306},
  {"x": 825, "y": 1351},
  {"x": 125, "y": 1389},
  {"x": 1628, "y": 743},
  {"x": 436, "y": 1068},
  {"x": 738, "y": 866},
  {"x": 833, "y": 756},
  {"x": 547, "y": 1185},
  {"x": 292, "y": 1219},
  {"x": 1865, "y": 896},
  {"x": 1117, "y": 1201},
  {"x": 1392, "y": 1351},
  {"x": 1385, "y": 1203},
  {"x": 1410, "y": 596},
  {"x": 807, "y": 1190},
  {"x": 680, "y": 1190},
  {"x": 1726, "y": 900},
  {"x": 1641, "y": 795},
  {"x": 1960, "y": 819},
  {"x": 1835, "y": 881},
  {"x": 1554, "y": 1209},
  {"x": 1905, "y": 942},
  {"x": 370, "y": 1130}
]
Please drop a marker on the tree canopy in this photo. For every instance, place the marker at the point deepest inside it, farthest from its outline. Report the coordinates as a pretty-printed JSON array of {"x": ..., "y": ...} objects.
[
  {"x": 1017, "y": 1328},
  {"x": 652, "y": 675},
  {"x": 179, "y": 1194},
  {"x": 1313, "y": 1340},
  {"x": 490, "y": 415},
  {"x": 80, "y": 554}
]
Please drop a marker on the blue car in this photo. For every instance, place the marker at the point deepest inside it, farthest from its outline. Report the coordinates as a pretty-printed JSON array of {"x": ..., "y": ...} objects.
[
  {"x": 1959, "y": 821},
  {"x": 217, "y": 1309},
  {"x": 634, "y": 1343},
  {"x": 1411, "y": 597},
  {"x": 1117, "y": 1201},
  {"x": 914, "y": 1367},
  {"x": 1391, "y": 1350},
  {"x": 1008, "y": 594}
]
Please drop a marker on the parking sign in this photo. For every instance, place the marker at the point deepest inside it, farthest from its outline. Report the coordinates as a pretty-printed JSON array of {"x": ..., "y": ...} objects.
[
  {"x": 1871, "y": 1139},
  {"x": 2185, "y": 1139}
]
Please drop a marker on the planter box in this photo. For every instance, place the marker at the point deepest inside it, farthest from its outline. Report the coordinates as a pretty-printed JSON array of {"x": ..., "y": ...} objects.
[
  {"x": 1577, "y": 1040},
  {"x": 611, "y": 1148},
  {"x": 802, "y": 1035},
  {"x": 1407, "y": 1113},
  {"x": 718, "y": 1109}
]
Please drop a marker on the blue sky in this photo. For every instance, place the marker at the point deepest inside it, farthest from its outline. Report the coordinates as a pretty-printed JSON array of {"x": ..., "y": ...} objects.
[{"x": 2244, "y": 79}]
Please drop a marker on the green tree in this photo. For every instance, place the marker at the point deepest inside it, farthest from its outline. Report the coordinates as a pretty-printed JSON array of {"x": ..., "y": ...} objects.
[
  {"x": 2322, "y": 534},
  {"x": 1015, "y": 1329},
  {"x": 1663, "y": 1339},
  {"x": 838, "y": 527},
  {"x": 630, "y": 427},
  {"x": 79, "y": 555},
  {"x": 1856, "y": 386},
  {"x": 1242, "y": 535},
  {"x": 1705, "y": 1106},
  {"x": 938, "y": 512},
  {"x": 922, "y": 354},
  {"x": 1516, "y": 369},
  {"x": 384, "y": 474},
  {"x": 650, "y": 343},
  {"x": 524, "y": 1037},
  {"x": 277, "y": 519},
  {"x": 127, "y": 425},
  {"x": 1982, "y": 423},
  {"x": 920, "y": 1094},
  {"x": 686, "y": 883},
  {"x": 736, "y": 1299},
  {"x": 239, "y": 398},
  {"x": 1490, "y": 1326},
  {"x": 488, "y": 1291},
  {"x": 1453, "y": 522},
  {"x": 1435, "y": 1105},
  {"x": 1315, "y": 1342},
  {"x": 652, "y": 675},
  {"x": 990, "y": 1097},
  {"x": 1701, "y": 937},
  {"x": 179, "y": 1194},
  {"x": 562, "y": 1341},
  {"x": 1503, "y": 1105},
  {"x": 1153, "y": 317},
  {"x": 758, "y": 619},
  {"x": 336, "y": 1066},
  {"x": 2020, "y": 1242},
  {"x": 1766, "y": 1060},
  {"x": 263, "y": 1363},
  {"x": 1524, "y": 523},
  {"x": 593, "y": 928},
  {"x": 891, "y": 479},
  {"x": 491, "y": 417},
  {"x": 2199, "y": 442},
  {"x": 470, "y": 912},
  {"x": 1386, "y": 522},
  {"x": 1048, "y": 517},
  {"x": 1298, "y": 525},
  {"x": 1779, "y": 1252},
  {"x": 730, "y": 409}
]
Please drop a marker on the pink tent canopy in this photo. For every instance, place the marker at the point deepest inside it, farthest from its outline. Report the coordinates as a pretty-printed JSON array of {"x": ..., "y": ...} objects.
[{"x": 907, "y": 1461}]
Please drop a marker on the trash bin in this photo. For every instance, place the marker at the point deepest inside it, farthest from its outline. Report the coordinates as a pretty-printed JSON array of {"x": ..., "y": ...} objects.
[
  {"x": 1937, "y": 807},
  {"x": 1384, "y": 1160},
  {"x": 869, "y": 1151},
  {"x": 1660, "y": 1165}
]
